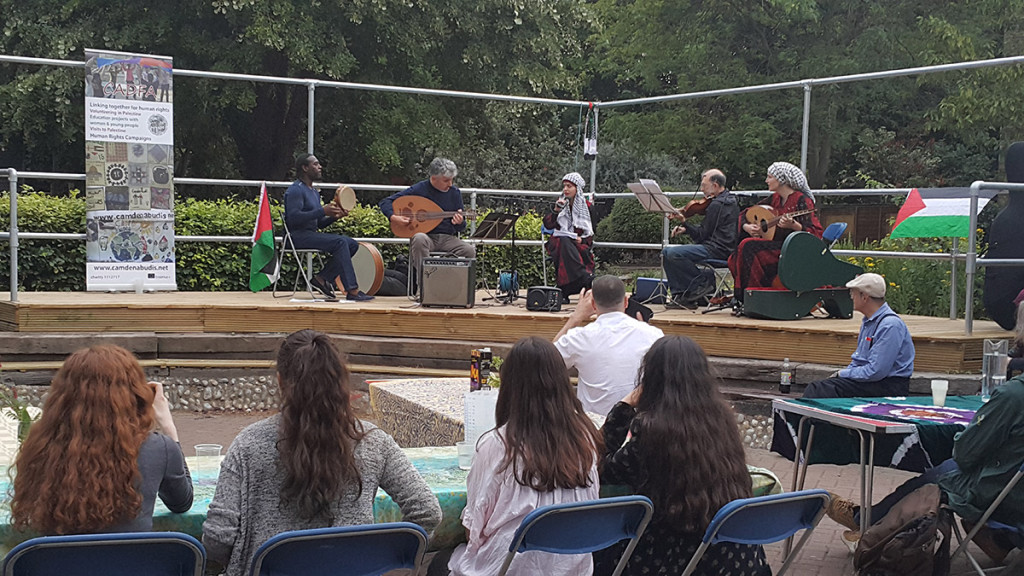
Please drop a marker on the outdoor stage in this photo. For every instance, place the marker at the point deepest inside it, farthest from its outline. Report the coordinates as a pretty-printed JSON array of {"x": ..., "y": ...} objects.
[{"x": 941, "y": 344}]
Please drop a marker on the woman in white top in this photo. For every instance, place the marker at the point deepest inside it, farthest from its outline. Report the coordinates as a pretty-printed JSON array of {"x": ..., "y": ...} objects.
[{"x": 543, "y": 451}]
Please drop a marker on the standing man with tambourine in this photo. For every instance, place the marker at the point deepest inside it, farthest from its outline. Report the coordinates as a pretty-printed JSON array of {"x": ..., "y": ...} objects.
[
  {"x": 763, "y": 227},
  {"x": 430, "y": 213},
  {"x": 305, "y": 215}
]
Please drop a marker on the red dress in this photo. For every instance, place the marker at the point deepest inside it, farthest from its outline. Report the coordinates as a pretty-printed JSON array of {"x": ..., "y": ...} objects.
[{"x": 755, "y": 263}]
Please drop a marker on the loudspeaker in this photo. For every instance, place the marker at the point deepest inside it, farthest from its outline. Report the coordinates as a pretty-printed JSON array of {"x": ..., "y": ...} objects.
[
  {"x": 543, "y": 299},
  {"x": 448, "y": 282},
  {"x": 651, "y": 290}
]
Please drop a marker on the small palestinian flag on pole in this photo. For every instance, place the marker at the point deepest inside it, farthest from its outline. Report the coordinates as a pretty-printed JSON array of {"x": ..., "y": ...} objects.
[
  {"x": 263, "y": 269},
  {"x": 937, "y": 213}
]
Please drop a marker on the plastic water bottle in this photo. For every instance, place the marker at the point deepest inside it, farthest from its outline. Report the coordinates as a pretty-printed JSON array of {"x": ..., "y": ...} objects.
[{"x": 785, "y": 377}]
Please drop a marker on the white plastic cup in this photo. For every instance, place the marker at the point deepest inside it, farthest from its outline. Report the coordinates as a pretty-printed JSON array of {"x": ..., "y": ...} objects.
[
  {"x": 207, "y": 463},
  {"x": 466, "y": 451},
  {"x": 939, "y": 389}
]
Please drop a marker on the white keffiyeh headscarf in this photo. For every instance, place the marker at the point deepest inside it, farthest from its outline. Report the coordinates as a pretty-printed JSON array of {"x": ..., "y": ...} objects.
[
  {"x": 791, "y": 176},
  {"x": 577, "y": 214}
]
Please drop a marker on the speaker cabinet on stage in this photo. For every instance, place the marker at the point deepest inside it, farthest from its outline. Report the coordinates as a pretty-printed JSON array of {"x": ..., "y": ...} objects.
[
  {"x": 448, "y": 282},
  {"x": 543, "y": 299}
]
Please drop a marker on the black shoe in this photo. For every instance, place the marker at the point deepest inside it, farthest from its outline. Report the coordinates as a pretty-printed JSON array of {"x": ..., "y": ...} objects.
[
  {"x": 322, "y": 287},
  {"x": 358, "y": 297}
]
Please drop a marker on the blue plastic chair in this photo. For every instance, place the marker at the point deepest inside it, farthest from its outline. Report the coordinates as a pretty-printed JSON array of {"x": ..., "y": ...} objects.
[
  {"x": 833, "y": 232},
  {"x": 128, "y": 554},
  {"x": 764, "y": 520},
  {"x": 366, "y": 550},
  {"x": 583, "y": 527},
  {"x": 1011, "y": 532}
]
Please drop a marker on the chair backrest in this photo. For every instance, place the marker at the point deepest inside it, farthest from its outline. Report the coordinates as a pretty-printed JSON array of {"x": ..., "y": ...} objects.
[
  {"x": 128, "y": 554},
  {"x": 345, "y": 551},
  {"x": 833, "y": 232},
  {"x": 583, "y": 527},
  {"x": 763, "y": 520}
]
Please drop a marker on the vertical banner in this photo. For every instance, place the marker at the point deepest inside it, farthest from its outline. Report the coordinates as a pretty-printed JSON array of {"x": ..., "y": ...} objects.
[{"x": 129, "y": 168}]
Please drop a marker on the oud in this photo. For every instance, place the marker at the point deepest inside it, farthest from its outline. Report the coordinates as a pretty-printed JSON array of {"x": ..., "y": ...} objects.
[
  {"x": 424, "y": 215},
  {"x": 765, "y": 218}
]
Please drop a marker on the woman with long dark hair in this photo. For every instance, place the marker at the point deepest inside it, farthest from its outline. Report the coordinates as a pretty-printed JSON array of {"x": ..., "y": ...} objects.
[
  {"x": 93, "y": 462},
  {"x": 686, "y": 455},
  {"x": 543, "y": 451},
  {"x": 313, "y": 465}
]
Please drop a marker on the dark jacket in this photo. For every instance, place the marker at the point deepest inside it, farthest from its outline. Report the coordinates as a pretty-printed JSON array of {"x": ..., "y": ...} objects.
[
  {"x": 989, "y": 452},
  {"x": 718, "y": 230}
]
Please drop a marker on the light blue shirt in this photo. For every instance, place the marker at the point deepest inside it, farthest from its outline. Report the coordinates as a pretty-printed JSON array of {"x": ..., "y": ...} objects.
[{"x": 884, "y": 349}]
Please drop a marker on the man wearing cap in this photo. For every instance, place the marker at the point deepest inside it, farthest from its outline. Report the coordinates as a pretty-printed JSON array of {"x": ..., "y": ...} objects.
[
  {"x": 714, "y": 238},
  {"x": 884, "y": 359}
]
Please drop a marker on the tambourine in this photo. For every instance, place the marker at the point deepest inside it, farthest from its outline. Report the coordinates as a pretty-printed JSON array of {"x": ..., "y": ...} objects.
[{"x": 345, "y": 198}]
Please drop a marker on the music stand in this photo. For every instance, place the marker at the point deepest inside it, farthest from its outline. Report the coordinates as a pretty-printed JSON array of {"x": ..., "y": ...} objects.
[
  {"x": 495, "y": 226},
  {"x": 649, "y": 193}
]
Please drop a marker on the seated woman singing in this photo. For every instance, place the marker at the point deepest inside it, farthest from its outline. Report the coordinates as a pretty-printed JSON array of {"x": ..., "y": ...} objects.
[
  {"x": 755, "y": 263},
  {"x": 572, "y": 239}
]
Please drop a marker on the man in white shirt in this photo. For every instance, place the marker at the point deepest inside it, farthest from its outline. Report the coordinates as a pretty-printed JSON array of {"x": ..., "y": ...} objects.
[{"x": 608, "y": 351}]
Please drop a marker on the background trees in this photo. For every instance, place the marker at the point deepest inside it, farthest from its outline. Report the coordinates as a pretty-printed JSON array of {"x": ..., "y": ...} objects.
[{"x": 933, "y": 130}]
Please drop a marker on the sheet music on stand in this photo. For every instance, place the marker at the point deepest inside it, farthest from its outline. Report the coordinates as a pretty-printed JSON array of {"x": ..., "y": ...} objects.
[{"x": 649, "y": 193}]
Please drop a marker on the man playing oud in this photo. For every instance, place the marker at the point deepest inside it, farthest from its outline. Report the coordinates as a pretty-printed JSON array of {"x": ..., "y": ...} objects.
[{"x": 443, "y": 237}]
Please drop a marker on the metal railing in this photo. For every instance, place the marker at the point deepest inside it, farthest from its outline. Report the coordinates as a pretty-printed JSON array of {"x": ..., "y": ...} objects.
[{"x": 806, "y": 85}]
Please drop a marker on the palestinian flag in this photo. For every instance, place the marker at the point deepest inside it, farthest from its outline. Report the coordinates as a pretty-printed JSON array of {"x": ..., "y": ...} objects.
[
  {"x": 937, "y": 213},
  {"x": 263, "y": 269}
]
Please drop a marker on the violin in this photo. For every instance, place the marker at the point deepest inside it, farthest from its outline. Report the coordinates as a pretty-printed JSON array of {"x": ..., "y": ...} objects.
[{"x": 695, "y": 207}]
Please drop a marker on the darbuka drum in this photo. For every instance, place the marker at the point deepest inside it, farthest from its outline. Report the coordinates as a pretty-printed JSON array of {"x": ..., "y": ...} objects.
[
  {"x": 345, "y": 198},
  {"x": 369, "y": 267}
]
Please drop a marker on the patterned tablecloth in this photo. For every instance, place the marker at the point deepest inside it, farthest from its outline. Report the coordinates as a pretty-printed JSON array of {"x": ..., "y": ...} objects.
[{"x": 930, "y": 443}]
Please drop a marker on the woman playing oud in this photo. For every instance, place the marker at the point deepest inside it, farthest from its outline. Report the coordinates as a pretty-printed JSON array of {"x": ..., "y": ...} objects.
[
  {"x": 755, "y": 264},
  {"x": 572, "y": 238}
]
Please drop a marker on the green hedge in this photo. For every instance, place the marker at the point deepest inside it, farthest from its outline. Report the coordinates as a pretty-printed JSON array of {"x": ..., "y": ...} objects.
[{"x": 59, "y": 265}]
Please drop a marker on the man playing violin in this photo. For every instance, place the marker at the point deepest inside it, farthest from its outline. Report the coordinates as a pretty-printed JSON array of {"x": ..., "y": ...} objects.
[
  {"x": 439, "y": 189},
  {"x": 305, "y": 214},
  {"x": 714, "y": 238}
]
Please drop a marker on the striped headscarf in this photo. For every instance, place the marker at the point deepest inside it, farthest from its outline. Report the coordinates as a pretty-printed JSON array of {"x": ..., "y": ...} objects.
[
  {"x": 791, "y": 176},
  {"x": 577, "y": 214}
]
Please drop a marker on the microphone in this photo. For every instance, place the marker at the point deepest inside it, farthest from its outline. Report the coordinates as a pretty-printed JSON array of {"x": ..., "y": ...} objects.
[{"x": 561, "y": 202}]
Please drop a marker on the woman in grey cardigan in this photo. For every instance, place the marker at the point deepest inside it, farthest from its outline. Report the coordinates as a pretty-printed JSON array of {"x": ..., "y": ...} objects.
[{"x": 312, "y": 465}]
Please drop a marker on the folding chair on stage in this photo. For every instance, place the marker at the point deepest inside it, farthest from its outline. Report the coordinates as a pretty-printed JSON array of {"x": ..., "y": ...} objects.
[
  {"x": 129, "y": 554},
  {"x": 367, "y": 550},
  {"x": 1015, "y": 536},
  {"x": 764, "y": 520},
  {"x": 582, "y": 528},
  {"x": 303, "y": 262}
]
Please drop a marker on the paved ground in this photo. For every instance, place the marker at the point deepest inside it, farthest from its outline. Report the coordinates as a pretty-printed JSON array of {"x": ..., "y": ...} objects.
[{"x": 823, "y": 555}]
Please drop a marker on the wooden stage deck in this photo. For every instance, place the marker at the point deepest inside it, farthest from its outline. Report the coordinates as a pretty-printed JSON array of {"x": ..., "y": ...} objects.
[{"x": 941, "y": 344}]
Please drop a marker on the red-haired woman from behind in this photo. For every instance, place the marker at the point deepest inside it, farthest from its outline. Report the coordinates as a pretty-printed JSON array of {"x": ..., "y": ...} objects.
[{"x": 95, "y": 462}]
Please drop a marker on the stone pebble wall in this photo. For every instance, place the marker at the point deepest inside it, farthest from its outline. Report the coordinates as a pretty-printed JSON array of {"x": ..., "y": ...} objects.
[{"x": 257, "y": 393}]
